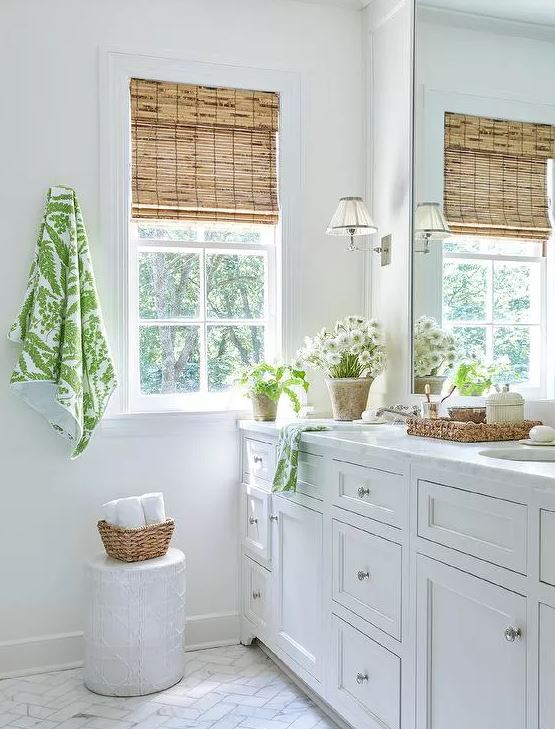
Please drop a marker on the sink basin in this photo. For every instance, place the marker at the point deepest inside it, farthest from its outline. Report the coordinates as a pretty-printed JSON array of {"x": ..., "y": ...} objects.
[{"x": 520, "y": 453}]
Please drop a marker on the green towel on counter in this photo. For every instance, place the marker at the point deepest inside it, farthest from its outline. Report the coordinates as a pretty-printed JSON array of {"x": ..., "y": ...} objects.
[
  {"x": 285, "y": 477},
  {"x": 64, "y": 371}
]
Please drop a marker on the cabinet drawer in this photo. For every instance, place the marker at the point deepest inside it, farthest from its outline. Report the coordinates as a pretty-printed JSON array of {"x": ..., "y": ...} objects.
[
  {"x": 257, "y": 598},
  {"x": 381, "y": 495},
  {"x": 258, "y": 461},
  {"x": 367, "y": 576},
  {"x": 547, "y": 546},
  {"x": 310, "y": 477},
  {"x": 485, "y": 527},
  {"x": 366, "y": 679},
  {"x": 256, "y": 521}
]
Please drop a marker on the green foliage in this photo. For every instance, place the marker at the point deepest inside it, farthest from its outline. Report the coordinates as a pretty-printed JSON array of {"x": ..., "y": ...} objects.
[
  {"x": 274, "y": 381},
  {"x": 474, "y": 378}
]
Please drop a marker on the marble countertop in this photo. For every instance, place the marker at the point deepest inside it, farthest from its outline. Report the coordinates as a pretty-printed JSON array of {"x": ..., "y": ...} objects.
[{"x": 353, "y": 439}]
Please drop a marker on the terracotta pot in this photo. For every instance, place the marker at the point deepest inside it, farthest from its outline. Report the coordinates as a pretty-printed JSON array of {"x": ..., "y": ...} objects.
[
  {"x": 349, "y": 396},
  {"x": 435, "y": 382},
  {"x": 263, "y": 407}
]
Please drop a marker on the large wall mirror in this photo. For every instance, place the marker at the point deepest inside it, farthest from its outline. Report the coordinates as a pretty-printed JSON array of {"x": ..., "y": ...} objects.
[{"x": 484, "y": 139}]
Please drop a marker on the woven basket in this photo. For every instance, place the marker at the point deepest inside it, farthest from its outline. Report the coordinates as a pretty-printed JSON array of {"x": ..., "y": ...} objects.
[
  {"x": 469, "y": 432},
  {"x": 136, "y": 545}
]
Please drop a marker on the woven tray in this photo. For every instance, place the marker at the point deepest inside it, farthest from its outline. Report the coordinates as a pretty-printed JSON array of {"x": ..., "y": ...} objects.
[
  {"x": 445, "y": 429},
  {"x": 136, "y": 545}
]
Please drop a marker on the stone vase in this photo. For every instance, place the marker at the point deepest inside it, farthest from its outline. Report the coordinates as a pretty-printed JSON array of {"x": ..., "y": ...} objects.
[
  {"x": 349, "y": 396},
  {"x": 435, "y": 382},
  {"x": 263, "y": 407}
]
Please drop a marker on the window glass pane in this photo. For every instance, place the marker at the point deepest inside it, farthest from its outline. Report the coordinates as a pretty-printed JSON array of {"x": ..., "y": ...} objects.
[
  {"x": 514, "y": 343},
  {"x": 516, "y": 291},
  {"x": 229, "y": 349},
  {"x": 471, "y": 342},
  {"x": 169, "y": 358},
  {"x": 161, "y": 231},
  {"x": 229, "y": 233},
  {"x": 234, "y": 286},
  {"x": 465, "y": 290},
  {"x": 492, "y": 246},
  {"x": 169, "y": 285}
]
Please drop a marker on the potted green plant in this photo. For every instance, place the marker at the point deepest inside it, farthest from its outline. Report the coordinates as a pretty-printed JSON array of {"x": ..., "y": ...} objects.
[
  {"x": 474, "y": 377},
  {"x": 435, "y": 352},
  {"x": 265, "y": 384},
  {"x": 351, "y": 355}
]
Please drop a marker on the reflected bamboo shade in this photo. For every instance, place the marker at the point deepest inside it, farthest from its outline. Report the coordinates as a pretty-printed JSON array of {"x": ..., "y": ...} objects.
[
  {"x": 202, "y": 153},
  {"x": 495, "y": 177}
]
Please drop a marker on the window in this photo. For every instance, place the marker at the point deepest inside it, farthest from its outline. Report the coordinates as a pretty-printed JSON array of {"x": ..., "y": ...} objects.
[
  {"x": 497, "y": 178},
  {"x": 494, "y": 301},
  {"x": 202, "y": 307},
  {"x": 204, "y": 241}
]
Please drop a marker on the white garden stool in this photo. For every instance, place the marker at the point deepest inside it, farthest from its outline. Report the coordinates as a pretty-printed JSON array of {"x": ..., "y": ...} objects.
[{"x": 136, "y": 624}]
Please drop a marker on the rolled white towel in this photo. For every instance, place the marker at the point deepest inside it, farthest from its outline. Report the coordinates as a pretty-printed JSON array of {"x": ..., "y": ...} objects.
[
  {"x": 130, "y": 514},
  {"x": 109, "y": 510},
  {"x": 153, "y": 508}
]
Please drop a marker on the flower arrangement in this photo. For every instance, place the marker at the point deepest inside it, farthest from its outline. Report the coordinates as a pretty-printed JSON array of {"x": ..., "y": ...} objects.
[
  {"x": 435, "y": 350},
  {"x": 353, "y": 348}
]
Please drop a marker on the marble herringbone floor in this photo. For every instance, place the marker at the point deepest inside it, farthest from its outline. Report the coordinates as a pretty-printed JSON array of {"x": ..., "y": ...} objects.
[{"x": 223, "y": 688}]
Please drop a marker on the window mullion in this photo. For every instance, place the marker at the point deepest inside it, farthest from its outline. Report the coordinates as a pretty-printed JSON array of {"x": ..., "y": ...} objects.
[{"x": 203, "y": 332}]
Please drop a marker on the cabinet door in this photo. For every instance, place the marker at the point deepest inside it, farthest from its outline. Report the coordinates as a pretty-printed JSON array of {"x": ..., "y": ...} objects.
[
  {"x": 297, "y": 575},
  {"x": 547, "y": 667},
  {"x": 256, "y": 524},
  {"x": 471, "y": 652}
]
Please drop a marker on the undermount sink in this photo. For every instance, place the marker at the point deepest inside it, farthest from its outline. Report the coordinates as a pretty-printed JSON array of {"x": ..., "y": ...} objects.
[{"x": 521, "y": 453}]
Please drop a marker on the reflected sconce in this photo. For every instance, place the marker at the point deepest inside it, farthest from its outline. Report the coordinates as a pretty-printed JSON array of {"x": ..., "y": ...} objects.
[
  {"x": 429, "y": 224},
  {"x": 351, "y": 218}
]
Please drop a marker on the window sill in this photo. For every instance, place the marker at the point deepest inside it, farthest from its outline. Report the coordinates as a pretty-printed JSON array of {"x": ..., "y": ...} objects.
[{"x": 170, "y": 423}]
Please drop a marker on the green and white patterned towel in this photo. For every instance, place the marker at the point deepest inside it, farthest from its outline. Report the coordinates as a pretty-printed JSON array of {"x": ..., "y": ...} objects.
[
  {"x": 65, "y": 370},
  {"x": 285, "y": 477}
]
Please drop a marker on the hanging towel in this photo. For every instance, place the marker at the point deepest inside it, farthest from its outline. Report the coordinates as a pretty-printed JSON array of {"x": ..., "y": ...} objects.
[
  {"x": 285, "y": 477},
  {"x": 65, "y": 370}
]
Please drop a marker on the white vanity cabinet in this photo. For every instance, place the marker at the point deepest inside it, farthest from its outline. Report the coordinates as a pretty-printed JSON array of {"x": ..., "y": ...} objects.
[{"x": 406, "y": 590}]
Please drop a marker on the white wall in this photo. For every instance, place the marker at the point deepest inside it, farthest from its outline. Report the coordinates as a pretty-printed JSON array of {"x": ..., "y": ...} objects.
[
  {"x": 388, "y": 37},
  {"x": 49, "y": 55}
]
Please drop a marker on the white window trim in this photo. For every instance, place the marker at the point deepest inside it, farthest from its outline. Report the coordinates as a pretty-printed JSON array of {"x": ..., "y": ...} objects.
[{"x": 117, "y": 67}]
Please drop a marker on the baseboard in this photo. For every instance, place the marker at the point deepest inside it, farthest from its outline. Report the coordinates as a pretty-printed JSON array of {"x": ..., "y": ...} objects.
[
  {"x": 211, "y": 630},
  {"x": 60, "y": 651},
  {"x": 41, "y": 653}
]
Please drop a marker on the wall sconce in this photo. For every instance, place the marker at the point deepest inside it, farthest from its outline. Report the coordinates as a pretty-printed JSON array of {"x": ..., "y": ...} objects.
[
  {"x": 429, "y": 224},
  {"x": 351, "y": 218}
]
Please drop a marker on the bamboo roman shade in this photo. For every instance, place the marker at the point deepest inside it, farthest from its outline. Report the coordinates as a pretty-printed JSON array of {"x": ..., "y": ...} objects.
[
  {"x": 202, "y": 153},
  {"x": 495, "y": 177}
]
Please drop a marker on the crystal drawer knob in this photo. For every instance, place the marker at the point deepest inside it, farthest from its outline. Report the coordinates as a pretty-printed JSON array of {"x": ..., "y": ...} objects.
[
  {"x": 273, "y": 517},
  {"x": 362, "y": 677},
  {"x": 363, "y": 575},
  {"x": 363, "y": 491},
  {"x": 253, "y": 520},
  {"x": 256, "y": 595},
  {"x": 511, "y": 634}
]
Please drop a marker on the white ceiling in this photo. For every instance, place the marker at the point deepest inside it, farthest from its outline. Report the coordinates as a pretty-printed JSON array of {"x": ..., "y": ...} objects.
[
  {"x": 349, "y": 4},
  {"x": 541, "y": 12}
]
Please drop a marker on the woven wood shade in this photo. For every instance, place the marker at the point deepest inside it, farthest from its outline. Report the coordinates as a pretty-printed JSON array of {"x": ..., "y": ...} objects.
[
  {"x": 200, "y": 153},
  {"x": 495, "y": 177}
]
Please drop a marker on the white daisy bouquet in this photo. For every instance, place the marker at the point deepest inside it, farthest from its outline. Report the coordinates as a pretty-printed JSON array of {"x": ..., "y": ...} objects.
[
  {"x": 435, "y": 350},
  {"x": 353, "y": 348}
]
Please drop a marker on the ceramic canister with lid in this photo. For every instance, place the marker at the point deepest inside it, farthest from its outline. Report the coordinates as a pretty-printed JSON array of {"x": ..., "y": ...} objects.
[{"x": 504, "y": 407}]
